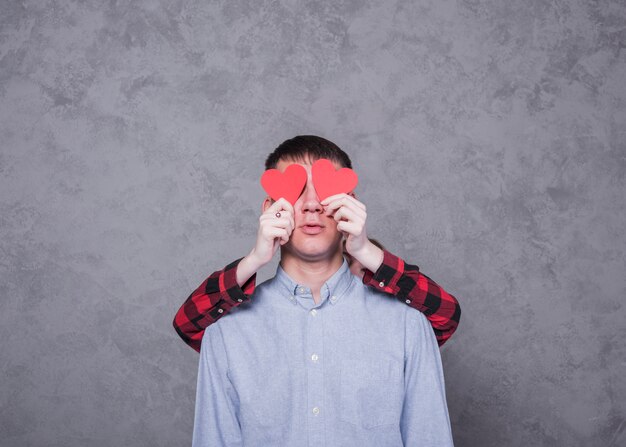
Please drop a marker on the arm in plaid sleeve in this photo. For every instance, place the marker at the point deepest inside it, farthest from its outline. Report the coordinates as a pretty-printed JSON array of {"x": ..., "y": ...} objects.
[
  {"x": 213, "y": 299},
  {"x": 407, "y": 283}
]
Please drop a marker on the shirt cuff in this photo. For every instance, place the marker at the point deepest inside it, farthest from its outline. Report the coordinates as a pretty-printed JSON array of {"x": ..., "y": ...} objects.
[
  {"x": 386, "y": 277},
  {"x": 231, "y": 291}
]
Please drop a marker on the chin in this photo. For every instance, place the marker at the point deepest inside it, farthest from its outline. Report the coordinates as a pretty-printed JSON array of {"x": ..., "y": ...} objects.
[
  {"x": 313, "y": 250},
  {"x": 314, "y": 254}
]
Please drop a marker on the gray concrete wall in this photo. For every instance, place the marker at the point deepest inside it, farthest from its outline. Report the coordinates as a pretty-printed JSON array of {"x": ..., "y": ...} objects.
[{"x": 490, "y": 142}]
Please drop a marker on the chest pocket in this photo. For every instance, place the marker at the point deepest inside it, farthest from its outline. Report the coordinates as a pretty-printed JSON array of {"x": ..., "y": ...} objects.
[{"x": 371, "y": 394}]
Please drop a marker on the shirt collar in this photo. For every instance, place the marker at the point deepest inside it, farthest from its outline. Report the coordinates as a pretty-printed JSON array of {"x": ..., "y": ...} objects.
[{"x": 332, "y": 290}]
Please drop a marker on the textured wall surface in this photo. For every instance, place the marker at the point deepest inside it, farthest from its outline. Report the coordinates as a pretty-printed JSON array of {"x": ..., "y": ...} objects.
[{"x": 489, "y": 137}]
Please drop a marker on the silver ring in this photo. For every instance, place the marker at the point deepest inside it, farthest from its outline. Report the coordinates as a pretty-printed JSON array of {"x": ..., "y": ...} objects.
[{"x": 277, "y": 214}]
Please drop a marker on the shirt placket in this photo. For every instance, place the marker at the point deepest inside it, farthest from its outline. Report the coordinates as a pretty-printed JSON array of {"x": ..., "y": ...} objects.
[{"x": 316, "y": 413}]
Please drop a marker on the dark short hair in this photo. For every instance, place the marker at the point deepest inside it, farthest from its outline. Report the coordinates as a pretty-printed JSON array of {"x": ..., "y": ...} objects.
[{"x": 309, "y": 147}]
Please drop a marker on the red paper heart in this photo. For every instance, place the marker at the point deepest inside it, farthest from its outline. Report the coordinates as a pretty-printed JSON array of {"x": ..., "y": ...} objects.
[
  {"x": 288, "y": 184},
  {"x": 328, "y": 181}
]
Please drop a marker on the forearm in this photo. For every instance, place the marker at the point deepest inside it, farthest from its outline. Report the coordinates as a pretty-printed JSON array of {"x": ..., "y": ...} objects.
[
  {"x": 442, "y": 309},
  {"x": 370, "y": 256},
  {"x": 247, "y": 267},
  {"x": 214, "y": 298}
]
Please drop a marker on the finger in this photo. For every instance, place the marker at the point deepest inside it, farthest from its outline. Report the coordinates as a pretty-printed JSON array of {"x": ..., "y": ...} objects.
[
  {"x": 333, "y": 206},
  {"x": 285, "y": 237},
  {"x": 332, "y": 198},
  {"x": 341, "y": 196},
  {"x": 344, "y": 198},
  {"x": 286, "y": 221},
  {"x": 284, "y": 214},
  {"x": 274, "y": 223},
  {"x": 287, "y": 225},
  {"x": 280, "y": 205},
  {"x": 344, "y": 214},
  {"x": 339, "y": 204},
  {"x": 346, "y": 201},
  {"x": 278, "y": 222},
  {"x": 350, "y": 228},
  {"x": 268, "y": 216},
  {"x": 277, "y": 233},
  {"x": 286, "y": 206}
]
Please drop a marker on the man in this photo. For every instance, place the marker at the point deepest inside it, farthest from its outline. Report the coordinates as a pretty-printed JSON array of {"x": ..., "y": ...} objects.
[{"x": 318, "y": 359}]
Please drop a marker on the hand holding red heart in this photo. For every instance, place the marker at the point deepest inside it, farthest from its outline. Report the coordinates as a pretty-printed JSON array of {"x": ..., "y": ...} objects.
[
  {"x": 275, "y": 227},
  {"x": 350, "y": 215}
]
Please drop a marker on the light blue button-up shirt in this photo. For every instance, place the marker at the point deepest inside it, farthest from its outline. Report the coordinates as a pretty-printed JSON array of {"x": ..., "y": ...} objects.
[{"x": 357, "y": 369}]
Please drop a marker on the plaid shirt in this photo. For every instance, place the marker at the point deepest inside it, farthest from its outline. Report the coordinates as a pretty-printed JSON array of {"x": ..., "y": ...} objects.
[{"x": 220, "y": 293}]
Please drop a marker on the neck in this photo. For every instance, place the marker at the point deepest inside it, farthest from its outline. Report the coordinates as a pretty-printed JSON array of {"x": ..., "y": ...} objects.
[{"x": 312, "y": 274}]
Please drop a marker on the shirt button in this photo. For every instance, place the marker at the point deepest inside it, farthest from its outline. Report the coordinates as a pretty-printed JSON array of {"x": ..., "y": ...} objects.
[
  {"x": 313, "y": 312},
  {"x": 221, "y": 311},
  {"x": 316, "y": 411},
  {"x": 240, "y": 300},
  {"x": 408, "y": 301},
  {"x": 301, "y": 289},
  {"x": 381, "y": 284},
  {"x": 333, "y": 299},
  {"x": 315, "y": 357}
]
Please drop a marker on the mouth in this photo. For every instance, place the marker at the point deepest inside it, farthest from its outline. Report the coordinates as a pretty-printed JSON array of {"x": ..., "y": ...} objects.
[{"x": 312, "y": 228}]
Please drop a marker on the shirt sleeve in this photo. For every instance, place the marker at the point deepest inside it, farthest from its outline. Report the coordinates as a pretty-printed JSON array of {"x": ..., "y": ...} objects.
[
  {"x": 214, "y": 298},
  {"x": 217, "y": 406},
  {"x": 425, "y": 419},
  {"x": 408, "y": 284}
]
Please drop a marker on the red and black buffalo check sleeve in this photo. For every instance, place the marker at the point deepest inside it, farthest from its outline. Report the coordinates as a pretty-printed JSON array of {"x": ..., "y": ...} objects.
[
  {"x": 220, "y": 293},
  {"x": 408, "y": 284},
  {"x": 213, "y": 299}
]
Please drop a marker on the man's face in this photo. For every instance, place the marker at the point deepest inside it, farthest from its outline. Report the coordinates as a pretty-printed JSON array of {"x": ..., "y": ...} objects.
[{"x": 315, "y": 236}]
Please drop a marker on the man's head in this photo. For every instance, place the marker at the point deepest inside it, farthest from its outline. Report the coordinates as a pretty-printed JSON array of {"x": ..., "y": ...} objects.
[{"x": 315, "y": 236}]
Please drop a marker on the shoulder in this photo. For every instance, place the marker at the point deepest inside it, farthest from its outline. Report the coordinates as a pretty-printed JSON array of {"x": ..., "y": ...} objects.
[
  {"x": 246, "y": 314},
  {"x": 384, "y": 302},
  {"x": 393, "y": 308}
]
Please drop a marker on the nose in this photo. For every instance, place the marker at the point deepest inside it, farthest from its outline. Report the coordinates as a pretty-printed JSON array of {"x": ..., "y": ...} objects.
[{"x": 311, "y": 202}]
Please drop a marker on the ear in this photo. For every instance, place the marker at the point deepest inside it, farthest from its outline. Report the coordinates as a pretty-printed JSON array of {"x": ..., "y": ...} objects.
[{"x": 267, "y": 203}]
